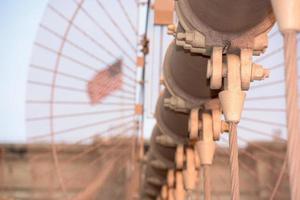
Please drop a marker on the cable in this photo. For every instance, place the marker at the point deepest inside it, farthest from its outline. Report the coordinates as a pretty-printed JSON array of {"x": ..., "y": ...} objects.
[
  {"x": 207, "y": 182},
  {"x": 292, "y": 110},
  {"x": 234, "y": 162}
]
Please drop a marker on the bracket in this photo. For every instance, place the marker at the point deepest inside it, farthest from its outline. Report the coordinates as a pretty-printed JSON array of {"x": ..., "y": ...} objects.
[
  {"x": 191, "y": 40},
  {"x": 179, "y": 189},
  {"x": 194, "y": 124},
  {"x": 177, "y": 104},
  {"x": 218, "y": 125},
  {"x": 164, "y": 192},
  {"x": 188, "y": 161},
  {"x": 179, "y": 157},
  {"x": 206, "y": 146},
  {"x": 238, "y": 72},
  {"x": 171, "y": 178},
  {"x": 171, "y": 184},
  {"x": 190, "y": 173},
  {"x": 217, "y": 69}
]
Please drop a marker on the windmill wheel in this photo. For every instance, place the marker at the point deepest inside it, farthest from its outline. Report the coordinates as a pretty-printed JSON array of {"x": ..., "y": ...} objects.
[{"x": 81, "y": 96}]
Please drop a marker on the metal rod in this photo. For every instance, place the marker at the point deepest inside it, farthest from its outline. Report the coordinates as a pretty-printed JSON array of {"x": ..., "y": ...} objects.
[
  {"x": 102, "y": 29},
  {"x": 263, "y": 122},
  {"x": 84, "y": 103},
  {"x": 41, "y": 136},
  {"x": 259, "y": 132},
  {"x": 116, "y": 111},
  {"x": 135, "y": 29},
  {"x": 113, "y": 21},
  {"x": 88, "y": 36},
  {"x": 265, "y": 97}
]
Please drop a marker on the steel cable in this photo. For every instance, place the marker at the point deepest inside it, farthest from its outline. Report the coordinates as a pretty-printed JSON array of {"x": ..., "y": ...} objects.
[
  {"x": 234, "y": 162},
  {"x": 207, "y": 182},
  {"x": 292, "y": 110}
]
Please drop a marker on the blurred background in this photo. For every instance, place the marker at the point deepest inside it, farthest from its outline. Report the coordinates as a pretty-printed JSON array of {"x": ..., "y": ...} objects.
[
  {"x": 20, "y": 22},
  {"x": 61, "y": 128}
]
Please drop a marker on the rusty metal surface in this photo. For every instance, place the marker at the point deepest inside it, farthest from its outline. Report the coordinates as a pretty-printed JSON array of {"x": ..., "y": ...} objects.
[
  {"x": 185, "y": 75},
  {"x": 231, "y": 16}
]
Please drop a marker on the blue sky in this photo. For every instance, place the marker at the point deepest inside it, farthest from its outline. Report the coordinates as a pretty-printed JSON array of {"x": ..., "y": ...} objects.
[{"x": 19, "y": 23}]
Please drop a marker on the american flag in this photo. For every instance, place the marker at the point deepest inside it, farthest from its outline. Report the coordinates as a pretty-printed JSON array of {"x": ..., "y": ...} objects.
[{"x": 105, "y": 82}]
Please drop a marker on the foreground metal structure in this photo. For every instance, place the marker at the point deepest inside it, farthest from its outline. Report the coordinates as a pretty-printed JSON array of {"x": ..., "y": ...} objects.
[
  {"x": 214, "y": 41},
  {"x": 97, "y": 66}
]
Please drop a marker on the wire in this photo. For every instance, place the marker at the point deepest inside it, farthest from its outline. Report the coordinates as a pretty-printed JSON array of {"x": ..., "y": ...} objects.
[{"x": 234, "y": 162}]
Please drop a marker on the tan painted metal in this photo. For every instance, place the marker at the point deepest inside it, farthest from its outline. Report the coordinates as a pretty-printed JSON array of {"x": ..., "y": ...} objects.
[
  {"x": 190, "y": 172},
  {"x": 179, "y": 188},
  {"x": 287, "y": 14},
  {"x": 189, "y": 111},
  {"x": 140, "y": 61},
  {"x": 163, "y": 12}
]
